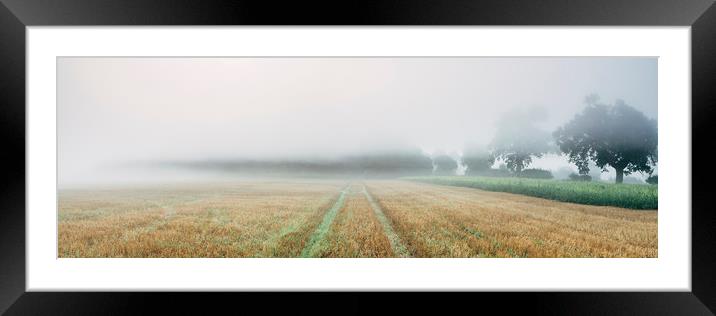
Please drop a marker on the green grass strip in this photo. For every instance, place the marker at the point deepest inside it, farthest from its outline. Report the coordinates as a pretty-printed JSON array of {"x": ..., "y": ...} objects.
[
  {"x": 397, "y": 246},
  {"x": 322, "y": 229},
  {"x": 633, "y": 196}
]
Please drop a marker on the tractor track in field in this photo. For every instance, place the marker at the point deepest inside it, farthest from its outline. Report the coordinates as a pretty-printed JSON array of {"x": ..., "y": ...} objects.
[
  {"x": 395, "y": 244},
  {"x": 325, "y": 225},
  {"x": 398, "y": 248}
]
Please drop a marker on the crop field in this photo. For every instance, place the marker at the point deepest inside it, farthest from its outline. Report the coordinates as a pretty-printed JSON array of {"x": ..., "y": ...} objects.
[
  {"x": 443, "y": 221},
  {"x": 227, "y": 220},
  {"x": 351, "y": 219},
  {"x": 634, "y": 196}
]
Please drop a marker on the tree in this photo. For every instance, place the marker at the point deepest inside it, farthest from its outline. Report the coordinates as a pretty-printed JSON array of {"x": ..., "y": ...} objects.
[
  {"x": 444, "y": 165},
  {"x": 617, "y": 136},
  {"x": 517, "y": 141},
  {"x": 477, "y": 159}
]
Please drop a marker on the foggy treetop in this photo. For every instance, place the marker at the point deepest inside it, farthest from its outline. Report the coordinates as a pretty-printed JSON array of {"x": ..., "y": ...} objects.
[{"x": 114, "y": 110}]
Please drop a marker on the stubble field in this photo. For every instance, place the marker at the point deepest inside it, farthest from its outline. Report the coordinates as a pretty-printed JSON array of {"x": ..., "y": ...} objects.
[{"x": 350, "y": 219}]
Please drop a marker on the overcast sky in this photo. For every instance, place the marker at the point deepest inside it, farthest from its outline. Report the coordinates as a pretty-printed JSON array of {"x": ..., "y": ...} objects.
[{"x": 114, "y": 110}]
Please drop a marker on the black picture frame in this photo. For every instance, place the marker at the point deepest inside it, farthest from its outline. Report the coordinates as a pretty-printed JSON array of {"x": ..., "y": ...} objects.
[{"x": 15, "y": 15}]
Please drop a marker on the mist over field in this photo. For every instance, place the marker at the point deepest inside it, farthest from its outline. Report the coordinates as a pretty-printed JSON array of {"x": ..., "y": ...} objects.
[
  {"x": 357, "y": 158},
  {"x": 182, "y": 119}
]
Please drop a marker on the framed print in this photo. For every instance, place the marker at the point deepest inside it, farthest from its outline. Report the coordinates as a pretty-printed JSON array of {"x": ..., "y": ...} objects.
[{"x": 233, "y": 147}]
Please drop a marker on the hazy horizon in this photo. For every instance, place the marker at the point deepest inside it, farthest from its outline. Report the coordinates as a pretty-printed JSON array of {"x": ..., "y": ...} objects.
[{"x": 118, "y": 111}]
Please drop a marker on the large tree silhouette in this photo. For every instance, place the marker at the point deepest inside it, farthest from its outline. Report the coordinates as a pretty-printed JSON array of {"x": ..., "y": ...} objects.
[{"x": 616, "y": 136}]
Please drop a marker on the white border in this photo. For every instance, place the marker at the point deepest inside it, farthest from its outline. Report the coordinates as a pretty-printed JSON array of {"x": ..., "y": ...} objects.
[{"x": 669, "y": 272}]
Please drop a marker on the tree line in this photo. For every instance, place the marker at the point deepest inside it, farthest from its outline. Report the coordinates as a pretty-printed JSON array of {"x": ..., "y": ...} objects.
[
  {"x": 602, "y": 135},
  {"x": 613, "y": 136}
]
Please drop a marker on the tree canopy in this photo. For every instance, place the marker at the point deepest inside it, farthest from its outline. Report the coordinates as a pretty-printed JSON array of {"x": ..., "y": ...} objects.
[
  {"x": 477, "y": 159},
  {"x": 518, "y": 140},
  {"x": 444, "y": 165},
  {"x": 617, "y": 136}
]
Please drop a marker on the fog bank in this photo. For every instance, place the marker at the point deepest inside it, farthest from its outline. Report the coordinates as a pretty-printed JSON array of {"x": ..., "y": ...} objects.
[{"x": 115, "y": 112}]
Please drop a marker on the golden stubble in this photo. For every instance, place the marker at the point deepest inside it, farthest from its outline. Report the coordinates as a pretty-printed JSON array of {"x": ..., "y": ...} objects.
[
  {"x": 271, "y": 219},
  {"x": 277, "y": 218},
  {"x": 438, "y": 221}
]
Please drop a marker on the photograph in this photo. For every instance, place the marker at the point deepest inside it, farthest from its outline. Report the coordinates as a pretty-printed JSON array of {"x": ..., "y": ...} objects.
[{"x": 357, "y": 157}]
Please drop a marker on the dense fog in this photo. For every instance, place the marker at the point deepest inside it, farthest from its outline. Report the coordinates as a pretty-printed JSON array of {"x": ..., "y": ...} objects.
[{"x": 153, "y": 119}]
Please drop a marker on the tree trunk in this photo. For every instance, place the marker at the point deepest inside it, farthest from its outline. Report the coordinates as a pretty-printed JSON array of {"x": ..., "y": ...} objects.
[{"x": 620, "y": 175}]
